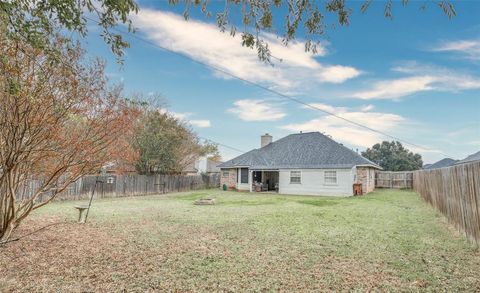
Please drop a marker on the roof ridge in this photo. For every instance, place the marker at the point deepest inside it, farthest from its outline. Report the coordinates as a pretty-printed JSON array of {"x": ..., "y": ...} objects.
[{"x": 309, "y": 150}]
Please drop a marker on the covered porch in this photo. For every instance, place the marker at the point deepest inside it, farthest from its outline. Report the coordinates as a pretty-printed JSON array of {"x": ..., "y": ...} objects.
[{"x": 264, "y": 180}]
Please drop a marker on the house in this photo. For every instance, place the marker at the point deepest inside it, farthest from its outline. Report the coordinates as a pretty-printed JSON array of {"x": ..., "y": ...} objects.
[
  {"x": 202, "y": 165},
  {"x": 191, "y": 167},
  {"x": 447, "y": 162},
  {"x": 470, "y": 159},
  {"x": 303, "y": 163},
  {"x": 119, "y": 168},
  {"x": 209, "y": 165},
  {"x": 426, "y": 166}
]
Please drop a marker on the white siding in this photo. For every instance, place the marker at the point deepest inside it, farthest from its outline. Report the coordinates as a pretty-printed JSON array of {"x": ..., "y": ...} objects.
[{"x": 312, "y": 182}]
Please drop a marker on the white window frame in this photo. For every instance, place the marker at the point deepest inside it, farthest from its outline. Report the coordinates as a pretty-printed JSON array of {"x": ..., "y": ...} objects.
[
  {"x": 298, "y": 176},
  {"x": 328, "y": 175},
  {"x": 226, "y": 173}
]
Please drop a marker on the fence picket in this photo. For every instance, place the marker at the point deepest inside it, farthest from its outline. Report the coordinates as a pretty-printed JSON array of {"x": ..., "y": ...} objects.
[
  {"x": 388, "y": 179},
  {"x": 454, "y": 191},
  {"x": 125, "y": 185}
]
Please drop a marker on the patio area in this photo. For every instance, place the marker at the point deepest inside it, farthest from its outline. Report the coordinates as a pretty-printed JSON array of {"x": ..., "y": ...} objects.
[{"x": 265, "y": 181}]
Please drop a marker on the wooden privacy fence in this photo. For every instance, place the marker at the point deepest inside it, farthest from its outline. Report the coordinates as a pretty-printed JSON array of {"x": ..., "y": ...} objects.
[
  {"x": 125, "y": 185},
  {"x": 387, "y": 179},
  {"x": 455, "y": 192}
]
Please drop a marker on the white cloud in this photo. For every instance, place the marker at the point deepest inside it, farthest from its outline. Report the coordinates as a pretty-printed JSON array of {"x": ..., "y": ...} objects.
[
  {"x": 422, "y": 78},
  {"x": 184, "y": 116},
  {"x": 395, "y": 88},
  {"x": 179, "y": 116},
  {"x": 201, "y": 123},
  {"x": 356, "y": 136},
  {"x": 337, "y": 73},
  {"x": 348, "y": 133},
  {"x": 469, "y": 49},
  {"x": 204, "y": 42},
  {"x": 367, "y": 108},
  {"x": 256, "y": 110}
]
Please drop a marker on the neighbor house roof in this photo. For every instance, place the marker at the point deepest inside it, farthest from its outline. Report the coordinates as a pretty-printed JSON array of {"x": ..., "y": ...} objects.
[
  {"x": 472, "y": 158},
  {"x": 447, "y": 162},
  {"x": 311, "y": 150},
  {"x": 212, "y": 166}
]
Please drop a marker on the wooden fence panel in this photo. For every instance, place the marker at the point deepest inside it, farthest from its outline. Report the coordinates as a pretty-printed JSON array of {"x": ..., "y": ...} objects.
[
  {"x": 387, "y": 179},
  {"x": 124, "y": 185},
  {"x": 455, "y": 192}
]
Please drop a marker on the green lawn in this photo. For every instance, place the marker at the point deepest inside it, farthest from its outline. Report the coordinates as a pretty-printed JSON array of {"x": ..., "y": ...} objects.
[{"x": 387, "y": 240}]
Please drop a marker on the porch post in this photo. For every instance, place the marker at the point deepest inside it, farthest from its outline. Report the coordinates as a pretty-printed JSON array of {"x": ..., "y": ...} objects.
[{"x": 250, "y": 182}]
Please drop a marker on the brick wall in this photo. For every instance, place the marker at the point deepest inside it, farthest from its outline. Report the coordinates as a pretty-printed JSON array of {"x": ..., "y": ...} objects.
[
  {"x": 366, "y": 176},
  {"x": 230, "y": 180}
]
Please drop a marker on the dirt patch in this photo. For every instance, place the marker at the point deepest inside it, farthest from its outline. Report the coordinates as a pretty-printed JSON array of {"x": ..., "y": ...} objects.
[
  {"x": 73, "y": 257},
  {"x": 69, "y": 257}
]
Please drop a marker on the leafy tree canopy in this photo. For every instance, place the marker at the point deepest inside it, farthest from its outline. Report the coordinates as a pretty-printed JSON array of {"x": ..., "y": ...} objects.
[
  {"x": 393, "y": 156},
  {"x": 36, "y": 22},
  {"x": 167, "y": 145},
  {"x": 259, "y": 16}
]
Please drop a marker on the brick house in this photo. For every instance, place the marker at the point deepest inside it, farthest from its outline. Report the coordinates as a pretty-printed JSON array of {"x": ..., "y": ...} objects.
[{"x": 303, "y": 163}]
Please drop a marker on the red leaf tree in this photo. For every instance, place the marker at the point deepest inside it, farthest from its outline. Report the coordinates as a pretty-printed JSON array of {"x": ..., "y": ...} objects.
[{"x": 59, "y": 120}]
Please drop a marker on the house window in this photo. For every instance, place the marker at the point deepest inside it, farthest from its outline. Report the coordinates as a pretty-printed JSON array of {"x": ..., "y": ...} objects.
[
  {"x": 110, "y": 180},
  {"x": 330, "y": 177},
  {"x": 244, "y": 175},
  {"x": 295, "y": 177},
  {"x": 225, "y": 173}
]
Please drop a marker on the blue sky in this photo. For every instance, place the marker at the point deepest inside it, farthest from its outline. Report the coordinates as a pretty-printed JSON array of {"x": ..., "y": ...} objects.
[{"x": 416, "y": 77}]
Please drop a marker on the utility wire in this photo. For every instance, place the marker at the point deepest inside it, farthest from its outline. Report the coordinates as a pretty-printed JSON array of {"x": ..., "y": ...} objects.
[
  {"x": 221, "y": 144},
  {"x": 32, "y": 58},
  {"x": 293, "y": 99}
]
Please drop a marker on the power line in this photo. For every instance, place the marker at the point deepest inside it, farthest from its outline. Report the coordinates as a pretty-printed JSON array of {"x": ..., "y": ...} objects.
[
  {"x": 293, "y": 99},
  {"x": 32, "y": 58},
  {"x": 221, "y": 144}
]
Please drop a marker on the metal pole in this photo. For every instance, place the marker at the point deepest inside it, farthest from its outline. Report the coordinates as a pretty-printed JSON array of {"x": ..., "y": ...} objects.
[{"x": 91, "y": 198}]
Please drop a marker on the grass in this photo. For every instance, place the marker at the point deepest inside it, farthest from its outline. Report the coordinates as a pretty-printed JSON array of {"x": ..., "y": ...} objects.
[{"x": 388, "y": 240}]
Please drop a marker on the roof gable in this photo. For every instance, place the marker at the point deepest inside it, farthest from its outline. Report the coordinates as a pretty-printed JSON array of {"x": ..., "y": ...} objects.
[
  {"x": 302, "y": 150},
  {"x": 447, "y": 162},
  {"x": 472, "y": 158}
]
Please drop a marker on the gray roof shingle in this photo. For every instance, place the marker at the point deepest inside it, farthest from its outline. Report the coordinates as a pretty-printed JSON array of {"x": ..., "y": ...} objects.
[
  {"x": 472, "y": 158},
  {"x": 447, "y": 162},
  {"x": 311, "y": 150}
]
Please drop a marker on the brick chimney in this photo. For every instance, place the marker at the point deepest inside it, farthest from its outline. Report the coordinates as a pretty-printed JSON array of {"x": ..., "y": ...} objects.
[{"x": 265, "y": 139}]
